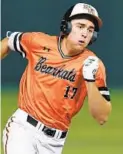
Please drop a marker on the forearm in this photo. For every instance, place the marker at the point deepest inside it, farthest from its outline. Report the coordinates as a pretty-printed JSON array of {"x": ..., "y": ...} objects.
[
  {"x": 4, "y": 48},
  {"x": 99, "y": 107}
]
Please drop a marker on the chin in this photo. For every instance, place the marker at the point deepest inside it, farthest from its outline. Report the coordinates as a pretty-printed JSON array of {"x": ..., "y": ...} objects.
[{"x": 80, "y": 47}]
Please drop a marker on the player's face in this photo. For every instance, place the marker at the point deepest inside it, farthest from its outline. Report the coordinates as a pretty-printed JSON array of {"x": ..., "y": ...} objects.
[{"x": 81, "y": 33}]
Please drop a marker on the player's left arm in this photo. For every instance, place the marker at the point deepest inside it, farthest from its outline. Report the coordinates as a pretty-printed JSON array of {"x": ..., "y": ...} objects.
[{"x": 98, "y": 94}]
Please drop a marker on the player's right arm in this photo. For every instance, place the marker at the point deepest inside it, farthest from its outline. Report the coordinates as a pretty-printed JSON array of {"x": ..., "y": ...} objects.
[
  {"x": 14, "y": 42},
  {"x": 23, "y": 43},
  {"x": 4, "y": 48}
]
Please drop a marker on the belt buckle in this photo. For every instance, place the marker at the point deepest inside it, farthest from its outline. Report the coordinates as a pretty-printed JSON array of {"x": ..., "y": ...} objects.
[{"x": 49, "y": 131}]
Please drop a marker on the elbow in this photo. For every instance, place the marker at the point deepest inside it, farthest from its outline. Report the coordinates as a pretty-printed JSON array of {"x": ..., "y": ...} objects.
[
  {"x": 102, "y": 116},
  {"x": 102, "y": 119}
]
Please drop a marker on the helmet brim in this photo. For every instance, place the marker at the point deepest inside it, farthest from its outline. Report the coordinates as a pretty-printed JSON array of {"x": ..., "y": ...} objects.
[{"x": 82, "y": 15}]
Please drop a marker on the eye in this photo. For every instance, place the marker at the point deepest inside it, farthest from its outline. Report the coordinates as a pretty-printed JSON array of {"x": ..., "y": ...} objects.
[
  {"x": 80, "y": 26},
  {"x": 90, "y": 30}
]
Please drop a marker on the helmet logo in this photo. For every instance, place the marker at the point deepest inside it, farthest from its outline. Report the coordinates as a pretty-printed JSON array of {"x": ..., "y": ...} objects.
[{"x": 89, "y": 9}]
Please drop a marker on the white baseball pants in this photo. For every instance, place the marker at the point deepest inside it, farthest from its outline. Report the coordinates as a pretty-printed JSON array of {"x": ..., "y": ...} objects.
[{"x": 20, "y": 137}]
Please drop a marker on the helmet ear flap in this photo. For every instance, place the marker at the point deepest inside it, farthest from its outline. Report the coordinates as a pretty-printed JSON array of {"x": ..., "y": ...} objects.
[
  {"x": 94, "y": 37},
  {"x": 65, "y": 27}
]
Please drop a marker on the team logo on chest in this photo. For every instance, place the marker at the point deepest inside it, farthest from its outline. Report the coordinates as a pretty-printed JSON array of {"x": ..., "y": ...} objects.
[{"x": 59, "y": 72}]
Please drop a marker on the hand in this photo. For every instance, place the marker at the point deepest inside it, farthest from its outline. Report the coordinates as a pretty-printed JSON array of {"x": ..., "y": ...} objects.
[{"x": 90, "y": 67}]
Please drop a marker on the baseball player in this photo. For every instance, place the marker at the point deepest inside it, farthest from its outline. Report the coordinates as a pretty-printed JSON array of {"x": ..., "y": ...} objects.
[{"x": 60, "y": 73}]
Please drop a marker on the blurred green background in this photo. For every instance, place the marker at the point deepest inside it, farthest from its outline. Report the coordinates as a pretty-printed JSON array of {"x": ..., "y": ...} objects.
[{"x": 85, "y": 135}]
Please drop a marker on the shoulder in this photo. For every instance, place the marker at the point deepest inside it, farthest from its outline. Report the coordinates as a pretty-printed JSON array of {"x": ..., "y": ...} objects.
[
  {"x": 89, "y": 53},
  {"x": 39, "y": 38},
  {"x": 38, "y": 35}
]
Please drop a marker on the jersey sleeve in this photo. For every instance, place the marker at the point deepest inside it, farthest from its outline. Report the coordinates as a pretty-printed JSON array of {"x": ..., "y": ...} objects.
[
  {"x": 26, "y": 43},
  {"x": 101, "y": 81}
]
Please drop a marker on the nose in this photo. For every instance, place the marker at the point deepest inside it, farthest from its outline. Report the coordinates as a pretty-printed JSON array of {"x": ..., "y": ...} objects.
[{"x": 84, "y": 32}]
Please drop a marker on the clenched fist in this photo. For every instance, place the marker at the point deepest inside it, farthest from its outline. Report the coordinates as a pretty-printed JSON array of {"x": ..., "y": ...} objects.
[{"x": 90, "y": 67}]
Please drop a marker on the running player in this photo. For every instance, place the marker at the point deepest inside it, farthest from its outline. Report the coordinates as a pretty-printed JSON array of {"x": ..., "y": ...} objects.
[{"x": 60, "y": 73}]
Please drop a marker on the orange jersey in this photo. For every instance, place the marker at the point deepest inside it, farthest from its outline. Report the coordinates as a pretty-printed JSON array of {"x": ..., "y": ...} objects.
[{"x": 52, "y": 88}]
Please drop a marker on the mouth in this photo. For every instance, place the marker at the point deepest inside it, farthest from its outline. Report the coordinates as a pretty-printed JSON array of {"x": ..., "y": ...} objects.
[{"x": 81, "y": 42}]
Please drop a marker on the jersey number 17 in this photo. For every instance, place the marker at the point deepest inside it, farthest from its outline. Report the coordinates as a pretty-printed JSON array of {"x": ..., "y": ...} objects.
[{"x": 70, "y": 92}]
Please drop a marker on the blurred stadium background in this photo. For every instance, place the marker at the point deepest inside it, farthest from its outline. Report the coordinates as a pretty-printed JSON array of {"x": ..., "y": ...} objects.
[{"x": 85, "y": 135}]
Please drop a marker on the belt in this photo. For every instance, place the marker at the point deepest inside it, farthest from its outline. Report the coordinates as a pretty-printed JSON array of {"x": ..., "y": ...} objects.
[{"x": 48, "y": 131}]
